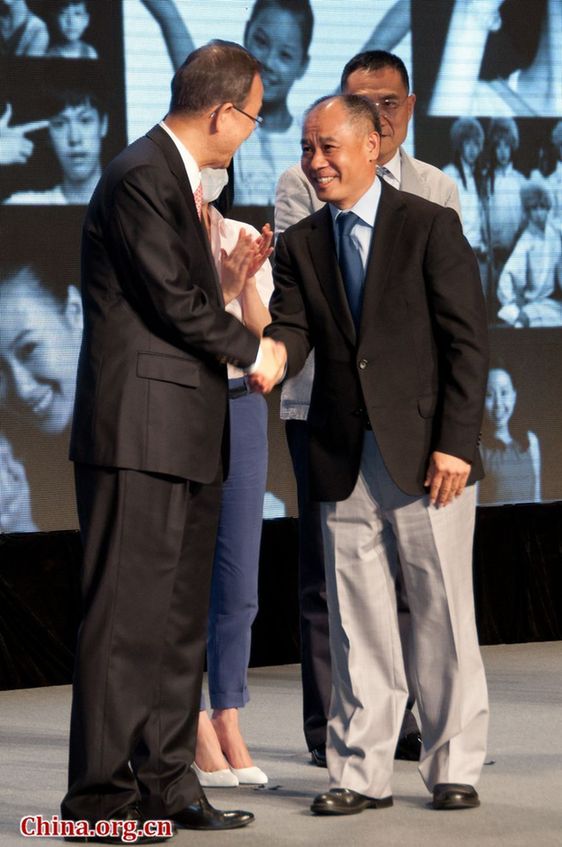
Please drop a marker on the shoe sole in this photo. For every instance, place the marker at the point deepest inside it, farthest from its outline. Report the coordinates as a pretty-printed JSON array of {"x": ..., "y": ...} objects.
[
  {"x": 213, "y": 828},
  {"x": 383, "y": 803},
  {"x": 453, "y": 805}
]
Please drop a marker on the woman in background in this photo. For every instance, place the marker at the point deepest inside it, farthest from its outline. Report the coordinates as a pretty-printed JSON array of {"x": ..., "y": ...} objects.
[
  {"x": 222, "y": 757},
  {"x": 504, "y": 184},
  {"x": 467, "y": 142},
  {"x": 510, "y": 452},
  {"x": 40, "y": 337}
]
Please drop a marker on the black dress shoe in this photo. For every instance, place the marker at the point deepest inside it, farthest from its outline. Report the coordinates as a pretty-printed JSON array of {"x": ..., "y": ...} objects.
[
  {"x": 131, "y": 813},
  {"x": 454, "y": 795},
  {"x": 344, "y": 801},
  {"x": 201, "y": 815},
  {"x": 409, "y": 747},
  {"x": 318, "y": 756}
]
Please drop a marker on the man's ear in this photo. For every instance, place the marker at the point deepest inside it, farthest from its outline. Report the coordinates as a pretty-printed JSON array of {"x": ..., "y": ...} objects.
[
  {"x": 73, "y": 308},
  {"x": 374, "y": 144},
  {"x": 219, "y": 114},
  {"x": 411, "y": 104},
  {"x": 104, "y": 126}
]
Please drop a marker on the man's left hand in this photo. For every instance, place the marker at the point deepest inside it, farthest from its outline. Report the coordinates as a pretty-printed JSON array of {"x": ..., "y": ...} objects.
[{"x": 446, "y": 478}]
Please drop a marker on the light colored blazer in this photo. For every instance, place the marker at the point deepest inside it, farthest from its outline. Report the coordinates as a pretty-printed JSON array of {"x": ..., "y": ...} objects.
[{"x": 295, "y": 199}]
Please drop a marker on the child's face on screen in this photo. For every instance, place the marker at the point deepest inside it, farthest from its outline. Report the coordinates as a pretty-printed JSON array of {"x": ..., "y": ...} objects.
[
  {"x": 274, "y": 37},
  {"x": 77, "y": 133},
  {"x": 39, "y": 345},
  {"x": 73, "y": 21}
]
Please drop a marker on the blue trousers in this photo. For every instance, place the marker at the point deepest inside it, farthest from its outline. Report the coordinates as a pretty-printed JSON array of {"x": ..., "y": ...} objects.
[{"x": 234, "y": 589}]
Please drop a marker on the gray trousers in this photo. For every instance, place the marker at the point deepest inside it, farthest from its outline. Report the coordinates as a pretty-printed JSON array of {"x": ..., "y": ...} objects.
[{"x": 362, "y": 536}]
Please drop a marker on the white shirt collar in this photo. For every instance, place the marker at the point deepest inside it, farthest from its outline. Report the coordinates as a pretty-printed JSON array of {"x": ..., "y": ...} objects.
[
  {"x": 395, "y": 168},
  {"x": 366, "y": 207},
  {"x": 191, "y": 166}
]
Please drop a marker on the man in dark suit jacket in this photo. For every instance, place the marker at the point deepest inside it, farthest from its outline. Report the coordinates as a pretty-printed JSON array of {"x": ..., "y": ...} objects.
[
  {"x": 148, "y": 443},
  {"x": 397, "y": 399}
]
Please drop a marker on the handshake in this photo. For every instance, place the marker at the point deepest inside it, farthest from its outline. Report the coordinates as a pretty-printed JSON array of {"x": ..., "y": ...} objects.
[{"x": 272, "y": 362}]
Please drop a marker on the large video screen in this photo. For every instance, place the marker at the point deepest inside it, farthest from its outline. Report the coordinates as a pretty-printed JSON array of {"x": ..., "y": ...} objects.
[{"x": 79, "y": 80}]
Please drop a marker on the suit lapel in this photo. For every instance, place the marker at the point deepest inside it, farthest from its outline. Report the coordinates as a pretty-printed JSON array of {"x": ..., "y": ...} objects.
[
  {"x": 177, "y": 167},
  {"x": 324, "y": 261},
  {"x": 411, "y": 180},
  {"x": 386, "y": 237}
]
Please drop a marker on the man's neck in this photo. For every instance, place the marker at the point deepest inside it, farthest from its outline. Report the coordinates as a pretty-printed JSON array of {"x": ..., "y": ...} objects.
[{"x": 191, "y": 137}]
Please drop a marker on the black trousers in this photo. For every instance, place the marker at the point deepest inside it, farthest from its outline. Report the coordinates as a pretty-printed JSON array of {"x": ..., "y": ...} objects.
[
  {"x": 148, "y": 551},
  {"x": 316, "y": 668}
]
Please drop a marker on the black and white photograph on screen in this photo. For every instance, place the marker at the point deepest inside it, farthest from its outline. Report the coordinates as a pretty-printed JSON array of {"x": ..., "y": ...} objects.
[
  {"x": 511, "y": 452},
  {"x": 62, "y": 29},
  {"x": 40, "y": 337},
  {"x": 302, "y": 51},
  {"x": 61, "y": 123},
  {"x": 521, "y": 442},
  {"x": 530, "y": 285},
  {"x": 22, "y": 31},
  {"x": 490, "y": 57},
  {"x": 506, "y": 171}
]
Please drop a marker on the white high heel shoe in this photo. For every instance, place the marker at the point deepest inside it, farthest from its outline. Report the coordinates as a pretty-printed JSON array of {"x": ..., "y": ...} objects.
[
  {"x": 250, "y": 776},
  {"x": 225, "y": 778}
]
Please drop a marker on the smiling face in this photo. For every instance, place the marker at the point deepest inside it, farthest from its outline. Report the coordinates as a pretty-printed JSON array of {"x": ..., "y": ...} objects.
[
  {"x": 500, "y": 398},
  {"x": 387, "y": 85},
  {"x": 339, "y": 155},
  {"x": 73, "y": 21},
  {"x": 274, "y": 38},
  {"x": 77, "y": 133},
  {"x": 39, "y": 345}
]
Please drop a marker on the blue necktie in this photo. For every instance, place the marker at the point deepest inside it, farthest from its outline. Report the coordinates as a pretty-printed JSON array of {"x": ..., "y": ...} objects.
[{"x": 350, "y": 263}]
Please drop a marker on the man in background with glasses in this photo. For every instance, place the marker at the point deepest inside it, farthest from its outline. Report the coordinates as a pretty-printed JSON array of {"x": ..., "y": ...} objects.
[{"x": 383, "y": 78}]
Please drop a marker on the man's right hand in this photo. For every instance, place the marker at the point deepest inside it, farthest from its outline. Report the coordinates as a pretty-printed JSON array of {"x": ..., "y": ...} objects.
[{"x": 271, "y": 368}]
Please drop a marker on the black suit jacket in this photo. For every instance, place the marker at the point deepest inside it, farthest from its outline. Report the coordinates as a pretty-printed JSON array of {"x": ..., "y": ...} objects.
[
  {"x": 151, "y": 391},
  {"x": 417, "y": 369}
]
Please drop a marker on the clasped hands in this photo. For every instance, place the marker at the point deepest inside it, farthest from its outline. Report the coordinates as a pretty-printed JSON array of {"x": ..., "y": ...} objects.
[{"x": 271, "y": 366}]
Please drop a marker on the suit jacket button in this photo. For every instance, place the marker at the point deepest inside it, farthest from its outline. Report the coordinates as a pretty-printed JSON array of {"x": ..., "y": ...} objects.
[{"x": 363, "y": 364}]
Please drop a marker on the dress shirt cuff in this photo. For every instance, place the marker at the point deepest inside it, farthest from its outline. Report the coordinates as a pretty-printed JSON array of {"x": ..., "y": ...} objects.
[{"x": 254, "y": 367}]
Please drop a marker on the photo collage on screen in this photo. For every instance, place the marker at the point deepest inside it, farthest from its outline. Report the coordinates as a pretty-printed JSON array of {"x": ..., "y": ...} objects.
[
  {"x": 489, "y": 113},
  {"x": 62, "y": 118},
  {"x": 80, "y": 80}
]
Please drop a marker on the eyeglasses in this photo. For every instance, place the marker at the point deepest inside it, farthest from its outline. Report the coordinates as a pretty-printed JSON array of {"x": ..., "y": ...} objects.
[
  {"x": 257, "y": 119},
  {"x": 389, "y": 105}
]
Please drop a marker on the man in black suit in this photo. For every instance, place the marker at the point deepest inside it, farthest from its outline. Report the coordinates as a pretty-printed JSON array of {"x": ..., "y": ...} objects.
[
  {"x": 148, "y": 443},
  {"x": 385, "y": 287}
]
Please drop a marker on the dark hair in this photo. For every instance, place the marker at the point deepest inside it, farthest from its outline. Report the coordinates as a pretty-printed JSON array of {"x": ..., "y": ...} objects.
[
  {"x": 375, "y": 60},
  {"x": 517, "y": 428},
  {"x": 534, "y": 194},
  {"x": 301, "y": 9},
  {"x": 57, "y": 101},
  {"x": 218, "y": 72},
  {"x": 59, "y": 5},
  {"x": 42, "y": 271},
  {"x": 360, "y": 109}
]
